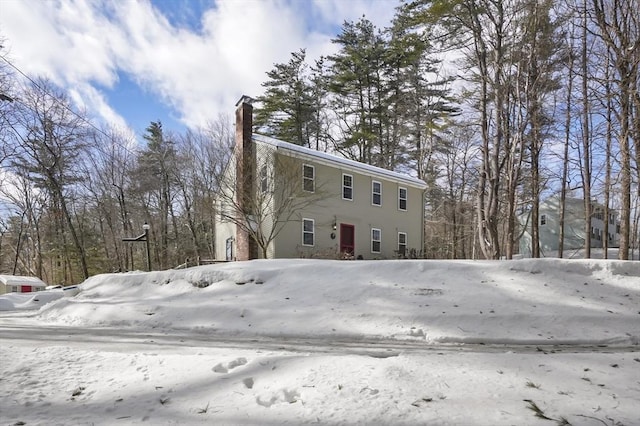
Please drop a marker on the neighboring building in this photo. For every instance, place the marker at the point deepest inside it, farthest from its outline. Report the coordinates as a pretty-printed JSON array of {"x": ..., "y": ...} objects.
[
  {"x": 334, "y": 207},
  {"x": 18, "y": 284},
  {"x": 574, "y": 227}
]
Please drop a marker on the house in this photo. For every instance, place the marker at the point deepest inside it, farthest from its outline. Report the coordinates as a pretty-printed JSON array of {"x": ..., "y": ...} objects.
[
  {"x": 574, "y": 226},
  {"x": 18, "y": 284},
  {"x": 281, "y": 200}
]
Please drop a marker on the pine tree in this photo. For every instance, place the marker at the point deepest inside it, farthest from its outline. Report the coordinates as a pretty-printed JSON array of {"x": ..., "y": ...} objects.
[
  {"x": 156, "y": 165},
  {"x": 289, "y": 109},
  {"x": 358, "y": 92}
]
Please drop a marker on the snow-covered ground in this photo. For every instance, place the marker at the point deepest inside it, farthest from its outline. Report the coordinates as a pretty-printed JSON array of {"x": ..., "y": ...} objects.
[{"x": 330, "y": 342}]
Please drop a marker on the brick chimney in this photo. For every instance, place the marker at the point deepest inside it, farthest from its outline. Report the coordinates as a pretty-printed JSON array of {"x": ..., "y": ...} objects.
[{"x": 246, "y": 247}]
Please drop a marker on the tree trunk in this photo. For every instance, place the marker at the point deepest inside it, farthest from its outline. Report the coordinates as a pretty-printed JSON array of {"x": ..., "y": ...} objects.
[{"x": 586, "y": 144}]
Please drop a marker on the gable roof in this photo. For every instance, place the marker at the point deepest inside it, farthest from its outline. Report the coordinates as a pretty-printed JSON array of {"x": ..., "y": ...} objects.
[
  {"x": 553, "y": 202},
  {"x": 20, "y": 280},
  {"x": 333, "y": 160}
]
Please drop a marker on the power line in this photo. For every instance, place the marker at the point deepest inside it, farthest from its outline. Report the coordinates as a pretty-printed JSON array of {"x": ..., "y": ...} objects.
[{"x": 56, "y": 100}]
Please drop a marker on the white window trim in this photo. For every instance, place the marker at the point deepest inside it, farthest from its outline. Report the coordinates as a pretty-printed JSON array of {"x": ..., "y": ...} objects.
[
  {"x": 406, "y": 196},
  {"x": 343, "y": 186},
  {"x": 312, "y": 179},
  {"x": 313, "y": 231},
  {"x": 379, "y": 240},
  {"x": 373, "y": 182}
]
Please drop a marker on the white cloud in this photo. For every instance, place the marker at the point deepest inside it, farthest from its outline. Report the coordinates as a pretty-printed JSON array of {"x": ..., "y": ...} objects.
[
  {"x": 89, "y": 98},
  {"x": 379, "y": 12},
  {"x": 83, "y": 44}
]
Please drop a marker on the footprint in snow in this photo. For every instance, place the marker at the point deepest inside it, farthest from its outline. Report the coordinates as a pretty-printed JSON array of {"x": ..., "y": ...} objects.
[
  {"x": 226, "y": 367},
  {"x": 282, "y": 396}
]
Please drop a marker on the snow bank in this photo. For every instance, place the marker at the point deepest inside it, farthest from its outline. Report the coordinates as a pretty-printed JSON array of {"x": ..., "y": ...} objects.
[
  {"x": 28, "y": 301},
  {"x": 531, "y": 301}
]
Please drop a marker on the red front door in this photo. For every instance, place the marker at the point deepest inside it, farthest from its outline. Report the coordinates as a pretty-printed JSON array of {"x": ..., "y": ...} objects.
[
  {"x": 25, "y": 289},
  {"x": 347, "y": 239}
]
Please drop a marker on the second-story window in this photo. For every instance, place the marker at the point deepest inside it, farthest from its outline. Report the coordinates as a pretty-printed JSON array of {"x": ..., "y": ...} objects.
[
  {"x": 308, "y": 178},
  {"x": 347, "y": 187},
  {"x": 225, "y": 211},
  {"x": 402, "y": 199},
  {"x": 543, "y": 219},
  {"x": 376, "y": 193},
  {"x": 264, "y": 179}
]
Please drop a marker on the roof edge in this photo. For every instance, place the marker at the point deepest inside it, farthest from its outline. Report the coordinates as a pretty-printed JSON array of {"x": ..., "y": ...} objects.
[{"x": 369, "y": 169}]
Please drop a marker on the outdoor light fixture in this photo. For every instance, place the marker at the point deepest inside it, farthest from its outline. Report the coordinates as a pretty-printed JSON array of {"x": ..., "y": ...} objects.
[
  {"x": 144, "y": 237},
  {"x": 146, "y": 228}
]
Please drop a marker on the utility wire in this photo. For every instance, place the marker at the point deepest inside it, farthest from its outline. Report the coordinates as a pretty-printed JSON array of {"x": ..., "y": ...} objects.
[{"x": 65, "y": 106}]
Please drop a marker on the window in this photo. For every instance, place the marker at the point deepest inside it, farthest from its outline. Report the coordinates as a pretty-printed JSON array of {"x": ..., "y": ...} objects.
[
  {"x": 402, "y": 199},
  {"x": 402, "y": 243},
  {"x": 229, "y": 248},
  {"x": 308, "y": 232},
  {"x": 308, "y": 178},
  {"x": 376, "y": 193},
  {"x": 543, "y": 219},
  {"x": 375, "y": 240},
  {"x": 226, "y": 214},
  {"x": 347, "y": 187},
  {"x": 264, "y": 179}
]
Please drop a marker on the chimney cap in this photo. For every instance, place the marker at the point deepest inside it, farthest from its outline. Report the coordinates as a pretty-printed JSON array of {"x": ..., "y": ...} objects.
[{"x": 245, "y": 100}]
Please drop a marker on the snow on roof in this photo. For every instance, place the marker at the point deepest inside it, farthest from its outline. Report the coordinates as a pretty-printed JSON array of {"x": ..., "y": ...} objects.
[
  {"x": 323, "y": 156},
  {"x": 20, "y": 280}
]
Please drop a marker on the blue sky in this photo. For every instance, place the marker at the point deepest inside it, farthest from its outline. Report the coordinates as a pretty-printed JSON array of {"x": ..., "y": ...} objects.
[{"x": 183, "y": 62}]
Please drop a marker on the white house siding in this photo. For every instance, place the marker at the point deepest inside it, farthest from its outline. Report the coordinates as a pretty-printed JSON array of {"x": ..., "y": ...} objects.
[
  {"x": 574, "y": 228},
  {"x": 224, "y": 229},
  {"x": 20, "y": 284}
]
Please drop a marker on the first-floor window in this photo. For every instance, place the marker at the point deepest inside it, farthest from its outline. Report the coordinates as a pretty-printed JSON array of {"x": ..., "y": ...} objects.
[
  {"x": 308, "y": 232},
  {"x": 543, "y": 219},
  {"x": 402, "y": 243},
  {"x": 229, "y": 248},
  {"x": 376, "y": 239}
]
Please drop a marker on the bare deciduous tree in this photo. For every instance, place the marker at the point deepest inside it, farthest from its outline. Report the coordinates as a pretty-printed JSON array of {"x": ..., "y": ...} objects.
[{"x": 277, "y": 196}]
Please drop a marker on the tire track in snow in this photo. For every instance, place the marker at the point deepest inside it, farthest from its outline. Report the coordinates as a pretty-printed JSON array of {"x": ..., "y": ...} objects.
[{"x": 126, "y": 340}]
